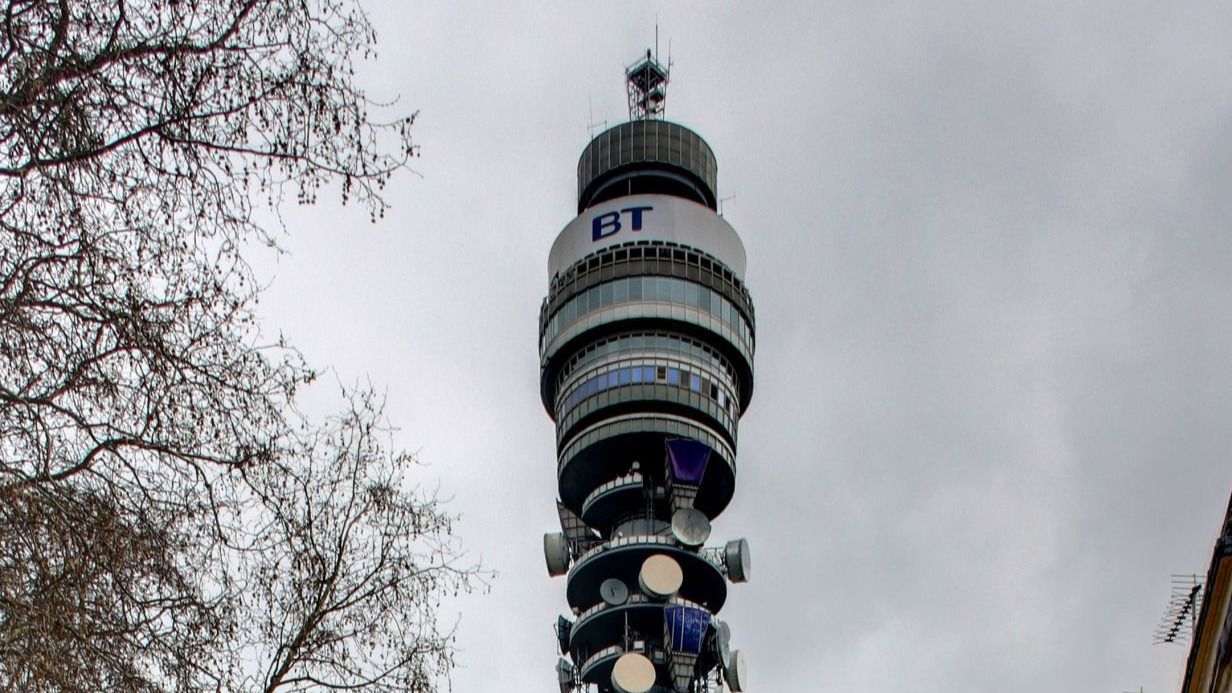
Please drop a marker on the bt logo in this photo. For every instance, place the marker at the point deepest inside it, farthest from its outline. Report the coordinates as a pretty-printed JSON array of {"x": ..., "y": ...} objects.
[{"x": 608, "y": 223}]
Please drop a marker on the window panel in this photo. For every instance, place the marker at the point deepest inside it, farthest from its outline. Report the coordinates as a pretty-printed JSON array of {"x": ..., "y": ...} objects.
[{"x": 692, "y": 294}]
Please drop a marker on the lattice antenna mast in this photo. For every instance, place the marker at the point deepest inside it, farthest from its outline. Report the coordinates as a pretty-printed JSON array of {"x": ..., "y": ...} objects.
[{"x": 646, "y": 81}]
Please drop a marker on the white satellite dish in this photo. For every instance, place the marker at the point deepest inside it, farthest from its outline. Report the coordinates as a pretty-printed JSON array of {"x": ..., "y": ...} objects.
[
  {"x": 556, "y": 553},
  {"x": 736, "y": 557},
  {"x": 660, "y": 577},
  {"x": 737, "y": 673},
  {"x": 690, "y": 526},
  {"x": 614, "y": 592},
  {"x": 633, "y": 673},
  {"x": 722, "y": 642}
]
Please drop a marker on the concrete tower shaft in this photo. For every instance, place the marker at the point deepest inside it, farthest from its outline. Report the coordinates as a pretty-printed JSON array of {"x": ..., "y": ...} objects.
[{"x": 646, "y": 342}]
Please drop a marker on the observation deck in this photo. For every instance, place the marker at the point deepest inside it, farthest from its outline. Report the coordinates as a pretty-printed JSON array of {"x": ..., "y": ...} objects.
[{"x": 647, "y": 156}]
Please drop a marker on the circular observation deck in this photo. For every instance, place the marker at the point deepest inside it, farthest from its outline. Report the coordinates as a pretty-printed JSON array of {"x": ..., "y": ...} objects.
[
  {"x": 651, "y": 287},
  {"x": 607, "y": 450},
  {"x": 621, "y": 558},
  {"x": 647, "y": 156},
  {"x": 603, "y": 625}
]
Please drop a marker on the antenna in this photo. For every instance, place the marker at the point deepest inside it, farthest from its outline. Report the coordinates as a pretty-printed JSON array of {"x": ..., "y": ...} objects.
[
  {"x": 592, "y": 124},
  {"x": 1182, "y": 611},
  {"x": 646, "y": 81}
]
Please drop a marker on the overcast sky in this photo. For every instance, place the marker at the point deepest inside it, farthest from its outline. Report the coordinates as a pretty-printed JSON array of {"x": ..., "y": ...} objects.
[{"x": 990, "y": 246}]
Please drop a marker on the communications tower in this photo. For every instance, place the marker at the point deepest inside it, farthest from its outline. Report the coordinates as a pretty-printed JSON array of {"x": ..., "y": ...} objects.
[{"x": 646, "y": 350}]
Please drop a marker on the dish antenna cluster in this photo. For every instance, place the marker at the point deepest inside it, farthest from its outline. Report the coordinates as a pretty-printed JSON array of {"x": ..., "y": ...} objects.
[{"x": 646, "y": 342}]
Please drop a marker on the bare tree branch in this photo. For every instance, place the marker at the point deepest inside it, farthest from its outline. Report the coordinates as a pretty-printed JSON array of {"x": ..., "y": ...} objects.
[{"x": 168, "y": 520}]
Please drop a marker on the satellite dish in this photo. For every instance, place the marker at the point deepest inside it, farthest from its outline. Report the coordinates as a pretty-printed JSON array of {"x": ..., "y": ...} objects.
[
  {"x": 564, "y": 675},
  {"x": 739, "y": 563},
  {"x": 737, "y": 673},
  {"x": 660, "y": 577},
  {"x": 614, "y": 592},
  {"x": 690, "y": 526},
  {"x": 572, "y": 525},
  {"x": 564, "y": 628},
  {"x": 633, "y": 673},
  {"x": 556, "y": 553},
  {"x": 722, "y": 642}
]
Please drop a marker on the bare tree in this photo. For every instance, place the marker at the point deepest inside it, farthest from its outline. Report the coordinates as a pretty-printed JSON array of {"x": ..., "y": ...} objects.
[
  {"x": 151, "y": 460},
  {"x": 91, "y": 598},
  {"x": 351, "y": 566}
]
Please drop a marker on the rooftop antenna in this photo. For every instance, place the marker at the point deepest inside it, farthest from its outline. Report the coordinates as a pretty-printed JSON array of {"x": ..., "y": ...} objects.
[
  {"x": 1181, "y": 618},
  {"x": 646, "y": 81},
  {"x": 593, "y": 124}
]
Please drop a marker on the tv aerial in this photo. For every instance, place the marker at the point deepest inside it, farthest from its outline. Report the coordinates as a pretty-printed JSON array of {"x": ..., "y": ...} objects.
[{"x": 1181, "y": 618}]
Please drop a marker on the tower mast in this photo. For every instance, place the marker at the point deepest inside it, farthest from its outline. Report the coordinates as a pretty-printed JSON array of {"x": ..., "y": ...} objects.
[
  {"x": 646, "y": 342},
  {"x": 646, "y": 82}
]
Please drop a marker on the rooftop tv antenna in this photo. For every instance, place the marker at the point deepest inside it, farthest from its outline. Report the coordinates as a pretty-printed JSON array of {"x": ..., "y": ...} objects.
[
  {"x": 646, "y": 81},
  {"x": 1181, "y": 618}
]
